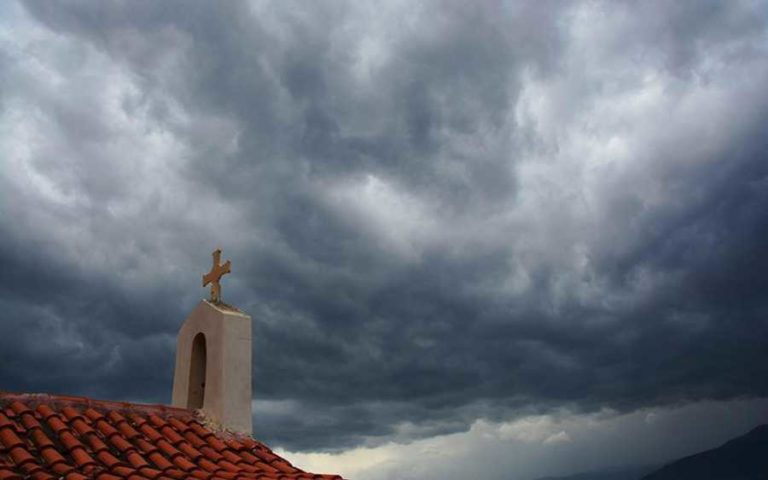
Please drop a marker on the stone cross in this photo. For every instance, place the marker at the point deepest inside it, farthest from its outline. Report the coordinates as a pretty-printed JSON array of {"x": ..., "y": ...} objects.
[{"x": 213, "y": 277}]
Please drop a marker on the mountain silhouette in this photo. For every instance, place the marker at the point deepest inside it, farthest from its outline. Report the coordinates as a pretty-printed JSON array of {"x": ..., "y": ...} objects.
[{"x": 743, "y": 458}]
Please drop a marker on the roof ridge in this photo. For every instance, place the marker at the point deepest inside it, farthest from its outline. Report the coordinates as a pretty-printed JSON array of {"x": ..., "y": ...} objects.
[{"x": 37, "y": 398}]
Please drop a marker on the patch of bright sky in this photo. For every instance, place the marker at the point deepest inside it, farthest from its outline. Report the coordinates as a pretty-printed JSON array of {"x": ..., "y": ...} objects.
[{"x": 556, "y": 444}]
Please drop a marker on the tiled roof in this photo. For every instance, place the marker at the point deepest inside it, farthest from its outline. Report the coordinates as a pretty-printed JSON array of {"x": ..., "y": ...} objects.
[{"x": 45, "y": 437}]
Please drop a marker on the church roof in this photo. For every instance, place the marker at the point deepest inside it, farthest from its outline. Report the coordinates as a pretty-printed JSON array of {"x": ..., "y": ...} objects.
[{"x": 74, "y": 438}]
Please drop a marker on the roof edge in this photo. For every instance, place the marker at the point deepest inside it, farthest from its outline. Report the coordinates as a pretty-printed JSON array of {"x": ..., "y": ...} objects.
[{"x": 64, "y": 400}]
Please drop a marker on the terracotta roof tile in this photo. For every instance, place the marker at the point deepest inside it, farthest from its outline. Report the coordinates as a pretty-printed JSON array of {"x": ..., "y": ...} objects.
[
  {"x": 121, "y": 443},
  {"x": 174, "y": 473},
  {"x": 196, "y": 441},
  {"x": 20, "y": 455},
  {"x": 40, "y": 475},
  {"x": 95, "y": 443},
  {"x": 81, "y": 457},
  {"x": 52, "y": 456},
  {"x": 189, "y": 451},
  {"x": 10, "y": 439},
  {"x": 122, "y": 471},
  {"x": 68, "y": 440},
  {"x": 184, "y": 463},
  {"x": 171, "y": 434},
  {"x": 136, "y": 460},
  {"x": 56, "y": 424},
  {"x": 29, "y": 421},
  {"x": 211, "y": 454},
  {"x": 159, "y": 460},
  {"x": 44, "y": 437},
  {"x": 107, "y": 459},
  {"x": 62, "y": 468},
  {"x": 107, "y": 476}
]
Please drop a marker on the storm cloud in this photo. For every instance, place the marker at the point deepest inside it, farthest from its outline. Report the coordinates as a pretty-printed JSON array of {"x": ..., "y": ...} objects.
[{"x": 437, "y": 212}]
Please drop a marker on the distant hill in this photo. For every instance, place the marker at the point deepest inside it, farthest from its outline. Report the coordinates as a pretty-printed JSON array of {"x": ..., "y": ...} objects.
[
  {"x": 633, "y": 473},
  {"x": 743, "y": 458}
]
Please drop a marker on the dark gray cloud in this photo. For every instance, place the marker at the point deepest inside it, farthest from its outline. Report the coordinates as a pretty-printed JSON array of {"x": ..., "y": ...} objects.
[{"x": 436, "y": 212}]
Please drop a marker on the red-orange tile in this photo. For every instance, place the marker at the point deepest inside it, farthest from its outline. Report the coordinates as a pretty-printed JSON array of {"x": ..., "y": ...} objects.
[
  {"x": 19, "y": 408},
  {"x": 145, "y": 446},
  {"x": 81, "y": 457},
  {"x": 107, "y": 476},
  {"x": 30, "y": 467},
  {"x": 266, "y": 467},
  {"x": 225, "y": 475},
  {"x": 168, "y": 449},
  {"x": 52, "y": 456},
  {"x": 265, "y": 455},
  {"x": 105, "y": 428},
  {"x": 159, "y": 460},
  {"x": 95, "y": 443},
  {"x": 92, "y": 414},
  {"x": 121, "y": 444},
  {"x": 6, "y": 422},
  {"x": 71, "y": 413},
  {"x": 45, "y": 411},
  {"x": 62, "y": 468},
  {"x": 183, "y": 463},
  {"x": 106, "y": 458},
  {"x": 172, "y": 435},
  {"x": 41, "y": 439},
  {"x": 29, "y": 421},
  {"x": 150, "y": 472},
  {"x": 189, "y": 450},
  {"x": 178, "y": 425},
  {"x": 9, "y": 475},
  {"x": 231, "y": 456},
  {"x": 127, "y": 430},
  {"x": 76, "y": 476},
  {"x": 201, "y": 474},
  {"x": 178, "y": 474},
  {"x": 196, "y": 441},
  {"x": 69, "y": 441},
  {"x": 20, "y": 455},
  {"x": 80, "y": 426},
  {"x": 123, "y": 471},
  {"x": 9, "y": 438},
  {"x": 210, "y": 453},
  {"x": 40, "y": 475},
  {"x": 234, "y": 444},
  {"x": 283, "y": 466},
  {"x": 200, "y": 430},
  {"x": 250, "y": 443},
  {"x": 150, "y": 432},
  {"x": 216, "y": 443},
  {"x": 136, "y": 460},
  {"x": 229, "y": 466},
  {"x": 248, "y": 468},
  {"x": 56, "y": 424},
  {"x": 207, "y": 465},
  {"x": 156, "y": 421},
  {"x": 250, "y": 458}
]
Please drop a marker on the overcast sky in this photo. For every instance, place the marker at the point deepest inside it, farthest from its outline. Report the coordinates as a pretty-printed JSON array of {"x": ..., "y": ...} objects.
[{"x": 478, "y": 239}]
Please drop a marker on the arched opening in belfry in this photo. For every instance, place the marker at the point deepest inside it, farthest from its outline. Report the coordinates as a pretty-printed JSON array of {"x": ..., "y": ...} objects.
[{"x": 196, "y": 395}]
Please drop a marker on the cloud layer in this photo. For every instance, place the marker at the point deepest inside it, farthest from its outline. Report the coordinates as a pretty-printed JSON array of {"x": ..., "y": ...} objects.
[{"x": 437, "y": 213}]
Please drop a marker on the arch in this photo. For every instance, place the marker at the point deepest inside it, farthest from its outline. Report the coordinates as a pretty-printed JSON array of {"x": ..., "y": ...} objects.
[{"x": 197, "y": 370}]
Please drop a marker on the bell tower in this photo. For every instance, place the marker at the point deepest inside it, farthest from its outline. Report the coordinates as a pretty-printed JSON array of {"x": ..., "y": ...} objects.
[{"x": 213, "y": 360}]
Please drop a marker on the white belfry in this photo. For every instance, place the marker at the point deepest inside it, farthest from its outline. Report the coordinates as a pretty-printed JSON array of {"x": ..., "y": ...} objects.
[{"x": 213, "y": 366}]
